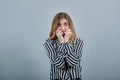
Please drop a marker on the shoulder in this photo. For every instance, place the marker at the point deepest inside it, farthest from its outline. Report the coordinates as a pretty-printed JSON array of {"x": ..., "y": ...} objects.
[
  {"x": 79, "y": 42},
  {"x": 79, "y": 39},
  {"x": 50, "y": 41}
]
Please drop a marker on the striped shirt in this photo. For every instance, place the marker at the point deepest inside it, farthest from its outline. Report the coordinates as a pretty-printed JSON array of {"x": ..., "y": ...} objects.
[{"x": 65, "y": 59}]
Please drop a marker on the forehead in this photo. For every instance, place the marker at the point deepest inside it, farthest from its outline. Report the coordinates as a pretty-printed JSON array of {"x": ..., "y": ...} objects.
[{"x": 63, "y": 20}]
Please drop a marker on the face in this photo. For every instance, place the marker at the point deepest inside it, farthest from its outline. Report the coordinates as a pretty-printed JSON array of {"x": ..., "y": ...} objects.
[{"x": 63, "y": 25}]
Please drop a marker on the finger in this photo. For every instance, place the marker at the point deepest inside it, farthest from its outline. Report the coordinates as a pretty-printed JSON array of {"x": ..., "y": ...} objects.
[
  {"x": 58, "y": 29},
  {"x": 68, "y": 30}
]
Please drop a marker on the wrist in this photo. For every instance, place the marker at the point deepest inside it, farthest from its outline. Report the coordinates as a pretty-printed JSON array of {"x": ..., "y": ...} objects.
[
  {"x": 61, "y": 41},
  {"x": 66, "y": 41}
]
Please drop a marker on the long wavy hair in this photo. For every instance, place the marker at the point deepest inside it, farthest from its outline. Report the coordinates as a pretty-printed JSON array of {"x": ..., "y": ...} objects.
[{"x": 55, "y": 23}]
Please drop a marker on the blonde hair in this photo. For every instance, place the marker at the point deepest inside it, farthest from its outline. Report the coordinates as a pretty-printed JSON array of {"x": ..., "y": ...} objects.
[{"x": 55, "y": 22}]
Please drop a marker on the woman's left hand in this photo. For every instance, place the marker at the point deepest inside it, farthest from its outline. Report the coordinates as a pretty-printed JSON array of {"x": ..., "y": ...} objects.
[{"x": 68, "y": 35}]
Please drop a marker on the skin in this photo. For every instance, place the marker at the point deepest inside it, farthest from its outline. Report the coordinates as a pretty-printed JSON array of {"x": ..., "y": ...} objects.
[{"x": 63, "y": 31}]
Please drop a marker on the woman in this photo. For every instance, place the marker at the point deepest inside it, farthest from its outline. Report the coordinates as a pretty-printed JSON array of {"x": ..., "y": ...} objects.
[{"x": 64, "y": 49}]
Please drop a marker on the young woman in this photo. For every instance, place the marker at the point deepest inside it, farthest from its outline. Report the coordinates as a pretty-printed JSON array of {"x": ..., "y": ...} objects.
[{"x": 64, "y": 49}]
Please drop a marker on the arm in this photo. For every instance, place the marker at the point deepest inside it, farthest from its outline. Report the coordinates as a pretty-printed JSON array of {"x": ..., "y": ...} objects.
[
  {"x": 74, "y": 52},
  {"x": 55, "y": 59}
]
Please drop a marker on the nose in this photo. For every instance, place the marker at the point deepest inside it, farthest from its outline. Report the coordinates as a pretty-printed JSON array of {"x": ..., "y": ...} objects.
[{"x": 63, "y": 28}]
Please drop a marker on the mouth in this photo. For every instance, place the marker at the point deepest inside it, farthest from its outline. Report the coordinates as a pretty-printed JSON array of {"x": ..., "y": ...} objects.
[{"x": 63, "y": 34}]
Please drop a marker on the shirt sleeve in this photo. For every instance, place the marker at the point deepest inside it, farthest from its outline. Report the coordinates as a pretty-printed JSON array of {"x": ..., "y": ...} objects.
[
  {"x": 74, "y": 52},
  {"x": 57, "y": 60}
]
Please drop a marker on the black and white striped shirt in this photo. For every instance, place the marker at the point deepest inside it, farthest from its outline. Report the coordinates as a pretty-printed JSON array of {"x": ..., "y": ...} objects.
[{"x": 65, "y": 59}]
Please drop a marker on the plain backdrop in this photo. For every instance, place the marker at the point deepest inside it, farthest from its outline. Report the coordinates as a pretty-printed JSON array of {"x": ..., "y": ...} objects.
[{"x": 25, "y": 25}]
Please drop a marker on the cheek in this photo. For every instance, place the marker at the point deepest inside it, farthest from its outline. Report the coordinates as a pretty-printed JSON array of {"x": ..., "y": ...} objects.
[
  {"x": 67, "y": 27},
  {"x": 59, "y": 28}
]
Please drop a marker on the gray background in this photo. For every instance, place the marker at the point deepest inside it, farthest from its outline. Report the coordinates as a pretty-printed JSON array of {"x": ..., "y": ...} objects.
[{"x": 25, "y": 24}]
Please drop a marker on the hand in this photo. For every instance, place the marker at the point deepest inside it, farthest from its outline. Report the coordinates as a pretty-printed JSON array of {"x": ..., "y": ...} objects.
[
  {"x": 68, "y": 35},
  {"x": 59, "y": 34}
]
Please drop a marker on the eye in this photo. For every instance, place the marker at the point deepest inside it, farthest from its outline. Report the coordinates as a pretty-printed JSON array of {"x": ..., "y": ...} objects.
[
  {"x": 59, "y": 24},
  {"x": 66, "y": 23}
]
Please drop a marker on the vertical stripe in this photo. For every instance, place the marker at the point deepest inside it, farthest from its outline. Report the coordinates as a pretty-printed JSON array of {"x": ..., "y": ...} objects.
[{"x": 56, "y": 53}]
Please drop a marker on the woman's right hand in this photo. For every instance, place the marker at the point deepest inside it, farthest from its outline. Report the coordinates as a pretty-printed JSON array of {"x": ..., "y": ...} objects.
[{"x": 59, "y": 34}]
